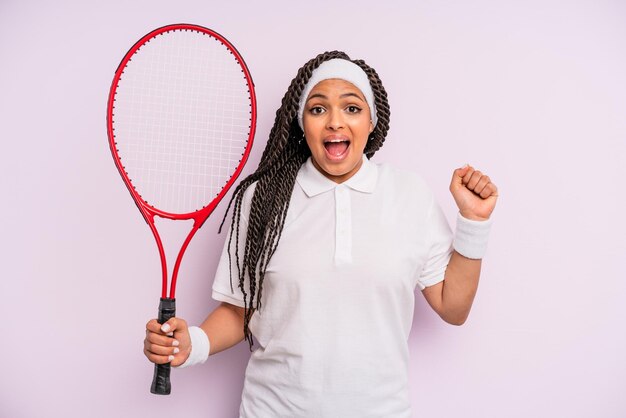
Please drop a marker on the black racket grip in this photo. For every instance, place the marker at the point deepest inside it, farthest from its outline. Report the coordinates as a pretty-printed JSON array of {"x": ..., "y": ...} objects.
[{"x": 161, "y": 381}]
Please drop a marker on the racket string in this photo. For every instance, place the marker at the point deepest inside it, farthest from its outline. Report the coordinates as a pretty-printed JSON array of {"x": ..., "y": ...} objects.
[{"x": 187, "y": 120}]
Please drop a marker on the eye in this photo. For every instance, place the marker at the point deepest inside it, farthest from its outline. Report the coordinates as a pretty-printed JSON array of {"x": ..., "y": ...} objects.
[
  {"x": 316, "y": 110},
  {"x": 353, "y": 109}
]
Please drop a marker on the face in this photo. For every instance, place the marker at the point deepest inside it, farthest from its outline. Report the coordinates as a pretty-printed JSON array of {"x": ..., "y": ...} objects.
[{"x": 336, "y": 122}]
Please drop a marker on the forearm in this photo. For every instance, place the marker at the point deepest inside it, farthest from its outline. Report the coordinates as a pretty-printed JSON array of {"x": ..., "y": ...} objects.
[
  {"x": 459, "y": 288},
  {"x": 224, "y": 327}
]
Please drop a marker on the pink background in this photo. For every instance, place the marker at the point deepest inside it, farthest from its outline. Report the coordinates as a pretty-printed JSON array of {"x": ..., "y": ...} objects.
[{"x": 532, "y": 93}]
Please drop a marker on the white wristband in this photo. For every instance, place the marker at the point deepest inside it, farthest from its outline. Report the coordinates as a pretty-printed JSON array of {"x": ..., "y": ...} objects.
[
  {"x": 200, "y": 347},
  {"x": 470, "y": 238}
]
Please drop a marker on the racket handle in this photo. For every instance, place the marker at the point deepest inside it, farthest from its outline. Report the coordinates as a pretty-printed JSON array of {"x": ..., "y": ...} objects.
[{"x": 161, "y": 381}]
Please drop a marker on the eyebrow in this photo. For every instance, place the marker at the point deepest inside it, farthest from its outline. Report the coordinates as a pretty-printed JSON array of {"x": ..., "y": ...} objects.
[{"x": 320, "y": 95}]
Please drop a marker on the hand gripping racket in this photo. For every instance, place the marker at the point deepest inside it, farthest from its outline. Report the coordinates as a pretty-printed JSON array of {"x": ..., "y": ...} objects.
[{"x": 181, "y": 117}]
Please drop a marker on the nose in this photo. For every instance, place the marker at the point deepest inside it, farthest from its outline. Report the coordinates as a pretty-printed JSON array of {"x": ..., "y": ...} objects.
[{"x": 335, "y": 120}]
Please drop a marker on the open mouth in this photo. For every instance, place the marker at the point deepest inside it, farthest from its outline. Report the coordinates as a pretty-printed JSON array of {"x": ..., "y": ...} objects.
[{"x": 336, "y": 148}]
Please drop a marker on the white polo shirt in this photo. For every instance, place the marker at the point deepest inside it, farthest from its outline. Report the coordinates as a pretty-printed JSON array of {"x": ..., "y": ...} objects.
[{"x": 338, "y": 295}]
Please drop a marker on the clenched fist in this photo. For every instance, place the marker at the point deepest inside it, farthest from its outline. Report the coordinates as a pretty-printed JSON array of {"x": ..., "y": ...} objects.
[{"x": 474, "y": 193}]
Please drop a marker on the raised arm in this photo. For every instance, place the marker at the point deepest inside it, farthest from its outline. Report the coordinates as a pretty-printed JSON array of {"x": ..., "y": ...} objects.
[
  {"x": 476, "y": 197},
  {"x": 452, "y": 298}
]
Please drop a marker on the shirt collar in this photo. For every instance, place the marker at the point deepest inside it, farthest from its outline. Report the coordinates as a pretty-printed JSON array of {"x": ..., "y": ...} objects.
[{"x": 313, "y": 182}]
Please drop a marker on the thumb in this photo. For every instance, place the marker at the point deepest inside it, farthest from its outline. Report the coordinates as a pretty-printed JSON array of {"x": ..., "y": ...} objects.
[
  {"x": 173, "y": 324},
  {"x": 457, "y": 177}
]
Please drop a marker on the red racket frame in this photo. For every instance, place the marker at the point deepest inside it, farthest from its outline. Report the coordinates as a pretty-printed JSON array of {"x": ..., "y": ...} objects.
[{"x": 148, "y": 211}]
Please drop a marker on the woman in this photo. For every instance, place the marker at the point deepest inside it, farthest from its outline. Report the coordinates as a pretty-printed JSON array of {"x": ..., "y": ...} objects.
[{"x": 336, "y": 245}]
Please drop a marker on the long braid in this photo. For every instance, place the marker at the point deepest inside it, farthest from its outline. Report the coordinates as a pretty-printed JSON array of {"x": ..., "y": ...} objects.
[
  {"x": 281, "y": 160},
  {"x": 378, "y": 135}
]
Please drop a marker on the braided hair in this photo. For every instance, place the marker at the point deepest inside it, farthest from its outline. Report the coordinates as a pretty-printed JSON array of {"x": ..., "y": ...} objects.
[{"x": 282, "y": 158}]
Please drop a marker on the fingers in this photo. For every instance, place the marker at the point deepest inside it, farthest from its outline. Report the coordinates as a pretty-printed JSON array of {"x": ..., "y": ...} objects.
[
  {"x": 160, "y": 350},
  {"x": 471, "y": 177},
  {"x": 154, "y": 326},
  {"x": 159, "y": 346},
  {"x": 159, "y": 354},
  {"x": 489, "y": 190},
  {"x": 482, "y": 182},
  {"x": 161, "y": 340},
  {"x": 157, "y": 359},
  {"x": 173, "y": 325},
  {"x": 479, "y": 183}
]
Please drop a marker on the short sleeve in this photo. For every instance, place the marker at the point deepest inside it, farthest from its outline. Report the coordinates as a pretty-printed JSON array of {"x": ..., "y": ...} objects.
[
  {"x": 440, "y": 238},
  {"x": 223, "y": 290}
]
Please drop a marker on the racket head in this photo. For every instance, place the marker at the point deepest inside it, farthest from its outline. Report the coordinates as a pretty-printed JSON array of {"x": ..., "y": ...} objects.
[{"x": 181, "y": 118}]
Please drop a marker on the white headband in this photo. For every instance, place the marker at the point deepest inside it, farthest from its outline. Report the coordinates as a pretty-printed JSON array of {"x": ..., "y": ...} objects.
[{"x": 344, "y": 70}]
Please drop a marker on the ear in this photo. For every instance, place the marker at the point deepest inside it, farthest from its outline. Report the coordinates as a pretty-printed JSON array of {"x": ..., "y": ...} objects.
[{"x": 371, "y": 126}]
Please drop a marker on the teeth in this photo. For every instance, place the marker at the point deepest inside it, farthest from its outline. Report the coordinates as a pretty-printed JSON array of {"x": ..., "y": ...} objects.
[{"x": 337, "y": 140}]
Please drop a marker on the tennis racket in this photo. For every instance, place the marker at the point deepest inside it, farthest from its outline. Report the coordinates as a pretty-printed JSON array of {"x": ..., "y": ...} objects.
[{"x": 181, "y": 118}]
